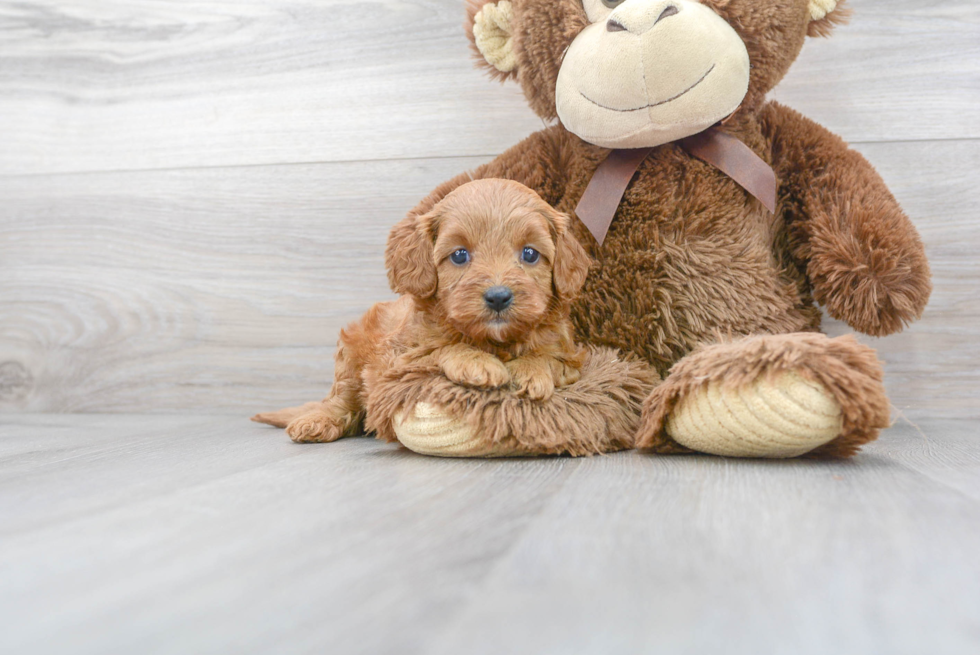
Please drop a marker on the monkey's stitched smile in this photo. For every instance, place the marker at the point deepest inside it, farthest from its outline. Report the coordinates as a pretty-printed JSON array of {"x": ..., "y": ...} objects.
[{"x": 655, "y": 104}]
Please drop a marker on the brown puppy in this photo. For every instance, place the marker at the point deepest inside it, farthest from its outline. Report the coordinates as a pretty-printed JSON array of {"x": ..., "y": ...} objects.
[{"x": 487, "y": 277}]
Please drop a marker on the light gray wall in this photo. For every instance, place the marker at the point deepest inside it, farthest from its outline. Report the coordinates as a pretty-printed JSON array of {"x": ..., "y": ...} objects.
[{"x": 194, "y": 197}]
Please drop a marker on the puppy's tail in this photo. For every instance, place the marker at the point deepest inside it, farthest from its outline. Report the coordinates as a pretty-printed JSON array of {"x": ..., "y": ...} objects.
[{"x": 282, "y": 417}]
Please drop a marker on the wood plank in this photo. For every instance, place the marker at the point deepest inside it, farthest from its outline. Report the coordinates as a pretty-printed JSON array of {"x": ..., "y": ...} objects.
[
  {"x": 217, "y": 288},
  {"x": 190, "y": 542},
  {"x": 140, "y": 84},
  {"x": 179, "y": 534},
  {"x": 893, "y": 58},
  {"x": 946, "y": 451},
  {"x": 224, "y": 289},
  {"x": 117, "y": 460},
  {"x": 703, "y": 555}
]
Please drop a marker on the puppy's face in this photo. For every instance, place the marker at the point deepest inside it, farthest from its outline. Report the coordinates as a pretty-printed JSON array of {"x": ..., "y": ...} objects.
[
  {"x": 495, "y": 258},
  {"x": 494, "y": 270}
]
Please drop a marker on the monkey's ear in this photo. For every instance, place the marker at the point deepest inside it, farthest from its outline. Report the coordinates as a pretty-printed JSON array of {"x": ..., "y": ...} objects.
[
  {"x": 825, "y": 15},
  {"x": 489, "y": 28},
  {"x": 571, "y": 265},
  {"x": 409, "y": 259}
]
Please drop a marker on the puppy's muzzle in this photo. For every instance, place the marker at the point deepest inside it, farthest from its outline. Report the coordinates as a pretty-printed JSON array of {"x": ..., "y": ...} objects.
[{"x": 498, "y": 298}]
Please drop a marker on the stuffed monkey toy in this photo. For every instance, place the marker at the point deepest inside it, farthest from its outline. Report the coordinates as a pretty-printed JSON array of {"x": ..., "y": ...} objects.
[{"x": 716, "y": 219}]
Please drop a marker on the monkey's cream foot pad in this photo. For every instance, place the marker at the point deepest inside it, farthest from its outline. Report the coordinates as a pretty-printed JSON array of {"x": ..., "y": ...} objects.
[
  {"x": 431, "y": 415},
  {"x": 782, "y": 416},
  {"x": 433, "y": 430}
]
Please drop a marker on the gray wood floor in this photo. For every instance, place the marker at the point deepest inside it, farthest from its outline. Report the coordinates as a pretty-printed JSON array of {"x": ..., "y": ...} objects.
[
  {"x": 194, "y": 198},
  {"x": 168, "y": 534}
]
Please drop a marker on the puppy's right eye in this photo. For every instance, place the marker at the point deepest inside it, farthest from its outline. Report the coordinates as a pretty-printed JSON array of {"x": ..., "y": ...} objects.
[
  {"x": 529, "y": 255},
  {"x": 460, "y": 256}
]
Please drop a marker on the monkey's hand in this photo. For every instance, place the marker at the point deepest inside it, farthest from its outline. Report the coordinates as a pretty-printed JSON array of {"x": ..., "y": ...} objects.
[
  {"x": 865, "y": 271},
  {"x": 862, "y": 254}
]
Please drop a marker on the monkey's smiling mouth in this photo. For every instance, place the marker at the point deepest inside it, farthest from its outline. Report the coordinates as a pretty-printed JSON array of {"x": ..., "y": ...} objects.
[{"x": 655, "y": 104}]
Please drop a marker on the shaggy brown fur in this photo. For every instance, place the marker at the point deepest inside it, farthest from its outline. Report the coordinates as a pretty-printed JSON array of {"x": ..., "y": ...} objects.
[
  {"x": 690, "y": 255},
  {"x": 505, "y": 239},
  {"x": 597, "y": 414}
]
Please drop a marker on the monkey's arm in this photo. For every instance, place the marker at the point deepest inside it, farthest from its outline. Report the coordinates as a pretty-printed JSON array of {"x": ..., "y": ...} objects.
[{"x": 862, "y": 254}]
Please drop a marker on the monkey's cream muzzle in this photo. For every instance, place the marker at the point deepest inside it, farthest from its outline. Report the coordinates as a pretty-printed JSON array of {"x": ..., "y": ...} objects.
[{"x": 648, "y": 72}]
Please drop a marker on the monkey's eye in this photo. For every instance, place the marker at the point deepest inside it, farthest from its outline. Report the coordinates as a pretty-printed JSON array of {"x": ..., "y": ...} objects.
[
  {"x": 529, "y": 255},
  {"x": 460, "y": 256},
  {"x": 612, "y": 4}
]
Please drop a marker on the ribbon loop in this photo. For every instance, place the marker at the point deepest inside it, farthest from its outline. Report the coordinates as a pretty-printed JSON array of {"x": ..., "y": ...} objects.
[{"x": 605, "y": 191}]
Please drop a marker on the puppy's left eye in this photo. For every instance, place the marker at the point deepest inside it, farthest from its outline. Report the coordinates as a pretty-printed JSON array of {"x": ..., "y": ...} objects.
[
  {"x": 460, "y": 256},
  {"x": 530, "y": 256}
]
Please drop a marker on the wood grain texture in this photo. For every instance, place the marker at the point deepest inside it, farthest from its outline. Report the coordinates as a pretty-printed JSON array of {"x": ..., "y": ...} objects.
[
  {"x": 209, "y": 288},
  {"x": 97, "y": 85},
  {"x": 150, "y": 534},
  {"x": 712, "y": 555},
  {"x": 225, "y": 289}
]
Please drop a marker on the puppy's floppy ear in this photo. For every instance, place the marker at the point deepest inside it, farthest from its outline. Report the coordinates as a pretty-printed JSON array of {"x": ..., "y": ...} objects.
[
  {"x": 571, "y": 265},
  {"x": 409, "y": 259}
]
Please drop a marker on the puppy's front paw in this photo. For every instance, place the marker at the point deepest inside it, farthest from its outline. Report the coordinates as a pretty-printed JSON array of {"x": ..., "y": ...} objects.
[
  {"x": 316, "y": 426},
  {"x": 482, "y": 372},
  {"x": 537, "y": 387},
  {"x": 566, "y": 374},
  {"x": 530, "y": 378}
]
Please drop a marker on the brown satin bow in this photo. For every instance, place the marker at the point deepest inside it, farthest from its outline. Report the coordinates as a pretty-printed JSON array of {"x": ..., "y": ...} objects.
[{"x": 725, "y": 152}]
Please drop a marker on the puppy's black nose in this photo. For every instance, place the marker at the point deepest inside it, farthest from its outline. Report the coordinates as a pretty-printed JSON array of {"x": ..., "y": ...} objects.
[{"x": 498, "y": 298}]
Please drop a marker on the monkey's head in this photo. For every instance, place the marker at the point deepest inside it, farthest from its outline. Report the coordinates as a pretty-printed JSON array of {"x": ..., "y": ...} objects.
[{"x": 640, "y": 73}]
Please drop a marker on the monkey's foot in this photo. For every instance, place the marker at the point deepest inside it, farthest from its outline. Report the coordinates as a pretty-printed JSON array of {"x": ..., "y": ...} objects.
[
  {"x": 433, "y": 430},
  {"x": 773, "y": 396}
]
